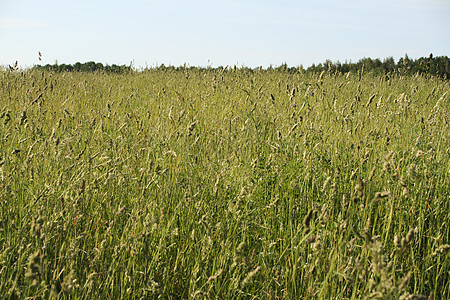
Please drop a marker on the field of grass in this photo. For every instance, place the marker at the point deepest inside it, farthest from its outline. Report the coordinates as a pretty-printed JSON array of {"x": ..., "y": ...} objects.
[{"x": 224, "y": 184}]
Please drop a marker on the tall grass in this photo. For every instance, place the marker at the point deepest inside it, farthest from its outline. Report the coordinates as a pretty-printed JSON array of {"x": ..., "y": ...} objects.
[{"x": 224, "y": 184}]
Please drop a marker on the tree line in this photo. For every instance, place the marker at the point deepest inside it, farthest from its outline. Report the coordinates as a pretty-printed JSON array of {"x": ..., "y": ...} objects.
[
  {"x": 436, "y": 66},
  {"x": 90, "y": 66}
]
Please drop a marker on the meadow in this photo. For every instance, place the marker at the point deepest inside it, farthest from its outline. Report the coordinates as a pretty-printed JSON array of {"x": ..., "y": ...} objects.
[{"x": 224, "y": 183}]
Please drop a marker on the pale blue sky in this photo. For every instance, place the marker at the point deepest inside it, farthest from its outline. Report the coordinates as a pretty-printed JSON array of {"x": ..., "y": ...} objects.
[{"x": 233, "y": 32}]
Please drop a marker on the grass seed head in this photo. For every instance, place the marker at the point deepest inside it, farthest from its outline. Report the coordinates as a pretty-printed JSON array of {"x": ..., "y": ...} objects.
[
  {"x": 68, "y": 282},
  {"x": 396, "y": 241},
  {"x": 359, "y": 188},
  {"x": 250, "y": 276},
  {"x": 405, "y": 281},
  {"x": 307, "y": 219},
  {"x": 240, "y": 247},
  {"x": 410, "y": 235},
  {"x": 214, "y": 277},
  {"x": 372, "y": 173},
  {"x": 33, "y": 268},
  {"x": 441, "y": 250},
  {"x": 325, "y": 184}
]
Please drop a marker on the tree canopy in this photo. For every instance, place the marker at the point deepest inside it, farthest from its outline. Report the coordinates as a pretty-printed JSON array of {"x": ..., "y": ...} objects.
[
  {"x": 90, "y": 66},
  {"x": 436, "y": 66}
]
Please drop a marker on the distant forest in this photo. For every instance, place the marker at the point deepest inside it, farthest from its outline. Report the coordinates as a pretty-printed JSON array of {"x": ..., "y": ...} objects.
[
  {"x": 84, "y": 67},
  {"x": 436, "y": 66}
]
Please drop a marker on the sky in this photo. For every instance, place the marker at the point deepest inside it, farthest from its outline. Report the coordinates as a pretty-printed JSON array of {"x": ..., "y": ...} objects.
[{"x": 220, "y": 32}]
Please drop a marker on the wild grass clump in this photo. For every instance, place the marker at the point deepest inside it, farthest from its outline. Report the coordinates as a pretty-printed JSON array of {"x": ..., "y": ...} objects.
[{"x": 223, "y": 184}]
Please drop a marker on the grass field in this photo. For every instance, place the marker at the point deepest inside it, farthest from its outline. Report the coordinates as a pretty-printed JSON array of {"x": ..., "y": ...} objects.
[{"x": 224, "y": 184}]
